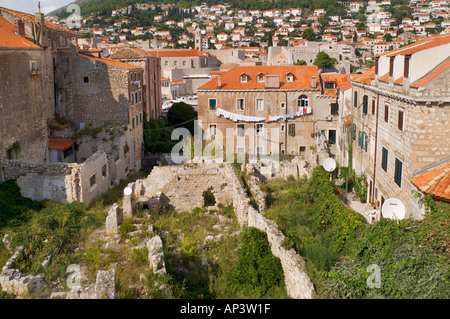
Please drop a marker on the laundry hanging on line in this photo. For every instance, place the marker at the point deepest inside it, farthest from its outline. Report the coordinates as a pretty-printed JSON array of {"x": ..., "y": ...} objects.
[{"x": 245, "y": 118}]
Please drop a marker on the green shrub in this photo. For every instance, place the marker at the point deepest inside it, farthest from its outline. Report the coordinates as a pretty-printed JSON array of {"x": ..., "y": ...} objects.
[{"x": 125, "y": 228}]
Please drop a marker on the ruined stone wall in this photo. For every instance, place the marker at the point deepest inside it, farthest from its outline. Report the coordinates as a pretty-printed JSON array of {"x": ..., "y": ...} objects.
[
  {"x": 60, "y": 181},
  {"x": 183, "y": 186}
]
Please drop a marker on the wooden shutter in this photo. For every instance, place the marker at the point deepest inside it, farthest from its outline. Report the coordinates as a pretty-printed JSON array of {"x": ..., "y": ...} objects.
[
  {"x": 400, "y": 120},
  {"x": 365, "y": 104}
]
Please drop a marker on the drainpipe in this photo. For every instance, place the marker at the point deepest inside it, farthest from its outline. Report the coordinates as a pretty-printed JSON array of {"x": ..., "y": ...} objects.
[{"x": 375, "y": 153}]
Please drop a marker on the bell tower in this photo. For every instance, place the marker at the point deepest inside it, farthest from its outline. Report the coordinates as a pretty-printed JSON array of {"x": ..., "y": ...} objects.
[{"x": 198, "y": 40}]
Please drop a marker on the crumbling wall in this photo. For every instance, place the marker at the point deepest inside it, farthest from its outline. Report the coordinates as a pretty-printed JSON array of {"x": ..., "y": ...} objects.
[
  {"x": 183, "y": 186},
  {"x": 12, "y": 281},
  {"x": 61, "y": 181}
]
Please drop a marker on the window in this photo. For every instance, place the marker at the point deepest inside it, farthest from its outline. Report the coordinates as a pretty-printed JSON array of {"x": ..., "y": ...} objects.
[
  {"x": 212, "y": 104},
  {"x": 282, "y": 128},
  {"x": 140, "y": 117},
  {"x": 334, "y": 109},
  {"x": 259, "y": 128},
  {"x": 365, "y": 104},
  {"x": 240, "y": 104},
  {"x": 68, "y": 152},
  {"x": 175, "y": 63},
  {"x": 166, "y": 63},
  {"x": 243, "y": 78},
  {"x": 136, "y": 97},
  {"x": 240, "y": 130},
  {"x": 132, "y": 123},
  {"x": 140, "y": 96},
  {"x": 386, "y": 113},
  {"x": 363, "y": 140},
  {"x": 260, "y": 78},
  {"x": 400, "y": 120},
  {"x": 329, "y": 86},
  {"x": 398, "y": 172},
  {"x": 291, "y": 129},
  {"x": 332, "y": 137},
  {"x": 86, "y": 80},
  {"x": 132, "y": 99},
  {"x": 184, "y": 63},
  {"x": 303, "y": 101},
  {"x": 355, "y": 99},
  {"x": 212, "y": 130},
  {"x": 92, "y": 180},
  {"x": 104, "y": 167},
  {"x": 373, "y": 107},
  {"x": 282, "y": 105},
  {"x": 301, "y": 150},
  {"x": 137, "y": 120},
  {"x": 259, "y": 104},
  {"x": 289, "y": 78},
  {"x": 384, "y": 159}
]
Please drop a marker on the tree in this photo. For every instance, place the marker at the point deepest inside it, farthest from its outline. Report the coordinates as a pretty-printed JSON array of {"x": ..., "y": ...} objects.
[
  {"x": 300, "y": 62},
  {"x": 309, "y": 34},
  {"x": 387, "y": 37},
  {"x": 323, "y": 60},
  {"x": 180, "y": 113}
]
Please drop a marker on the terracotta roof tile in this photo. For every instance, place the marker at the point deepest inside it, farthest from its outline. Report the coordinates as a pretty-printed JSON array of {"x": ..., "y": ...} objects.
[
  {"x": 111, "y": 62},
  {"x": 31, "y": 18},
  {"x": 435, "y": 181},
  {"x": 338, "y": 79},
  {"x": 230, "y": 80},
  {"x": 365, "y": 77},
  {"x": 60, "y": 144},
  {"x": 175, "y": 53},
  {"x": 9, "y": 39},
  {"x": 432, "y": 74}
]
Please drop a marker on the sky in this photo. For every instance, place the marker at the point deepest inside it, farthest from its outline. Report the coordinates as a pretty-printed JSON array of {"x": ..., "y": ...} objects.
[{"x": 31, "y": 6}]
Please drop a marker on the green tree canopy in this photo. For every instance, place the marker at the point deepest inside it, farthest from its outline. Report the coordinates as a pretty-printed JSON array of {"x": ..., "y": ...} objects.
[
  {"x": 323, "y": 60},
  {"x": 180, "y": 113},
  {"x": 309, "y": 34}
]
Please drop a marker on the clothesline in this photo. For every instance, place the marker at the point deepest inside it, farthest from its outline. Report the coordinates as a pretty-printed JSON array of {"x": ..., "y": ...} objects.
[{"x": 245, "y": 118}]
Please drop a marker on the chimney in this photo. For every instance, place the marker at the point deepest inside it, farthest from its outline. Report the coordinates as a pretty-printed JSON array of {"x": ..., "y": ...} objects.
[
  {"x": 313, "y": 82},
  {"x": 219, "y": 82},
  {"x": 19, "y": 27}
]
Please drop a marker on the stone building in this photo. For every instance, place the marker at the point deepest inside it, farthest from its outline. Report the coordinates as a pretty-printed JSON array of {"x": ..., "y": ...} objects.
[
  {"x": 400, "y": 117},
  {"x": 51, "y": 94},
  {"x": 151, "y": 80},
  {"x": 96, "y": 91},
  {"x": 262, "y": 110},
  {"x": 27, "y": 45},
  {"x": 327, "y": 110}
]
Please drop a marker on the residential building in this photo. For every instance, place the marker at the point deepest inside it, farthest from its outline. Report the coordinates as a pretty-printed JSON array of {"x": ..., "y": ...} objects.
[
  {"x": 247, "y": 103},
  {"x": 399, "y": 119},
  {"x": 151, "y": 79}
]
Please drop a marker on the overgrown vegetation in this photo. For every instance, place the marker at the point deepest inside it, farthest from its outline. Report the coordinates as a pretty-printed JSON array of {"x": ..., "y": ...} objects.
[{"x": 339, "y": 245}]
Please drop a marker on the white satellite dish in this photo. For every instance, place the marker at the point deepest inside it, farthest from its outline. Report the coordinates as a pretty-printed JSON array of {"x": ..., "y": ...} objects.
[
  {"x": 127, "y": 191},
  {"x": 393, "y": 208},
  {"x": 329, "y": 164}
]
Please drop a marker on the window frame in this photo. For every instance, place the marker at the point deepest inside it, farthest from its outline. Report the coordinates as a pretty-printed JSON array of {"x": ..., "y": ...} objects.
[
  {"x": 303, "y": 98},
  {"x": 238, "y": 106},
  {"x": 257, "y": 104},
  {"x": 398, "y": 172},
  {"x": 209, "y": 104},
  {"x": 384, "y": 159}
]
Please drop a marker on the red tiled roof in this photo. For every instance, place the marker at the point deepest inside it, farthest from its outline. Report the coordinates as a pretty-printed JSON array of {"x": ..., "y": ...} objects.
[
  {"x": 9, "y": 39},
  {"x": 111, "y": 62},
  {"x": 60, "y": 144},
  {"x": 419, "y": 45},
  {"x": 345, "y": 86},
  {"x": 432, "y": 74},
  {"x": 31, "y": 18},
  {"x": 230, "y": 80},
  {"x": 364, "y": 77},
  {"x": 435, "y": 181},
  {"x": 175, "y": 53},
  {"x": 336, "y": 78}
]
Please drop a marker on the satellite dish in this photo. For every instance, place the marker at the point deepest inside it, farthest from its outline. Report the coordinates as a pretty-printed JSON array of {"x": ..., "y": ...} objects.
[
  {"x": 127, "y": 191},
  {"x": 393, "y": 208},
  {"x": 329, "y": 164}
]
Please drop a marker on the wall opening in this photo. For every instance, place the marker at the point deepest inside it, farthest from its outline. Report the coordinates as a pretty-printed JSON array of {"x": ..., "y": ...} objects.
[{"x": 208, "y": 198}]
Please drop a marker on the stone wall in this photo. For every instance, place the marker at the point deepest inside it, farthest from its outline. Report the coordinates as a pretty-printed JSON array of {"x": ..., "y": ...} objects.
[
  {"x": 61, "y": 181},
  {"x": 298, "y": 284},
  {"x": 12, "y": 281},
  {"x": 183, "y": 186}
]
